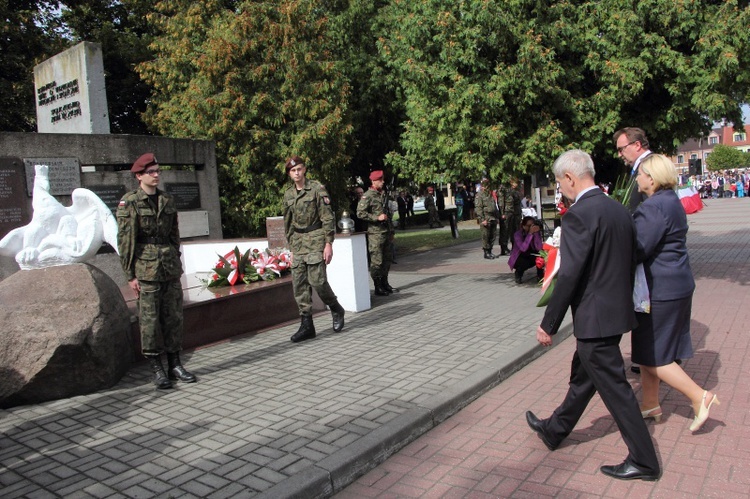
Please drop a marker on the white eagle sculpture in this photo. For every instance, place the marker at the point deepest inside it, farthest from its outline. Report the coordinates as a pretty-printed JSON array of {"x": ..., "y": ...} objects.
[{"x": 59, "y": 235}]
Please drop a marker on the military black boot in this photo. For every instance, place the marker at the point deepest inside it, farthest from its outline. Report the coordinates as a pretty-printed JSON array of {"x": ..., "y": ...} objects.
[
  {"x": 337, "y": 312},
  {"x": 176, "y": 371},
  {"x": 379, "y": 289},
  {"x": 387, "y": 286},
  {"x": 487, "y": 255},
  {"x": 306, "y": 329},
  {"x": 160, "y": 377}
]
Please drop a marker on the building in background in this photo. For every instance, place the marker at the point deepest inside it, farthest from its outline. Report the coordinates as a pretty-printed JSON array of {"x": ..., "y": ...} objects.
[{"x": 700, "y": 148}]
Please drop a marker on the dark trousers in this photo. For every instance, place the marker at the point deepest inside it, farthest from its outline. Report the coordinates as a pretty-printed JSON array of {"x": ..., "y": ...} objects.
[
  {"x": 402, "y": 219},
  {"x": 597, "y": 366},
  {"x": 525, "y": 262}
]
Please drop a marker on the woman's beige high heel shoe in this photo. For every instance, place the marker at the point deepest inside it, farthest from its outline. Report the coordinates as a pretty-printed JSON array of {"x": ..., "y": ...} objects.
[
  {"x": 702, "y": 415},
  {"x": 649, "y": 413}
]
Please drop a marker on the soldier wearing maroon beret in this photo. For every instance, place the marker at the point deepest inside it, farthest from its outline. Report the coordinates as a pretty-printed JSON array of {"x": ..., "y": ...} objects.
[
  {"x": 310, "y": 227},
  {"x": 148, "y": 241},
  {"x": 373, "y": 208}
]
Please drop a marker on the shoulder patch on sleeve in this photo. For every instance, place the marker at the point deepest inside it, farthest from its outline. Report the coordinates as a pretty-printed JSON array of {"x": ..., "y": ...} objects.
[{"x": 122, "y": 204}]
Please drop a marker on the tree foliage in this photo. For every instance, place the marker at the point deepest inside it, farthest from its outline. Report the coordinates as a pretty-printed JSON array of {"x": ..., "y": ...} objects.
[
  {"x": 259, "y": 79},
  {"x": 29, "y": 34},
  {"x": 726, "y": 158},
  {"x": 504, "y": 87}
]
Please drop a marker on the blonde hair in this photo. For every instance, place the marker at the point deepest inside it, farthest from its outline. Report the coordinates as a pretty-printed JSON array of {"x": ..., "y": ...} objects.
[{"x": 661, "y": 169}]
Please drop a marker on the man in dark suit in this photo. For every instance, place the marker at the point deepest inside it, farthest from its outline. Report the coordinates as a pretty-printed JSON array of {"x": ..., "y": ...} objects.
[
  {"x": 595, "y": 279},
  {"x": 403, "y": 209},
  {"x": 632, "y": 147}
]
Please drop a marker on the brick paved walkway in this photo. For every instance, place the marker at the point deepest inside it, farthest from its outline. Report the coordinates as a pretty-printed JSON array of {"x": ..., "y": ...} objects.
[
  {"x": 487, "y": 450},
  {"x": 268, "y": 416},
  {"x": 272, "y": 419}
]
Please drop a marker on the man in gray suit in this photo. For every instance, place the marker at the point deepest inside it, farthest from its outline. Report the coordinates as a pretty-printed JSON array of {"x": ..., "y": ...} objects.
[{"x": 595, "y": 279}]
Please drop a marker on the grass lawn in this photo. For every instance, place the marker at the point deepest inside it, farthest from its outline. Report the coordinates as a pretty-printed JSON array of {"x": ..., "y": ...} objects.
[{"x": 426, "y": 239}]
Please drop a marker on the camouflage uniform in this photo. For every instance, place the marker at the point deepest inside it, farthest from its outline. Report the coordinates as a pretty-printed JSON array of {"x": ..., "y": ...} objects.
[
  {"x": 433, "y": 216},
  {"x": 379, "y": 234},
  {"x": 510, "y": 203},
  {"x": 309, "y": 224},
  {"x": 148, "y": 241},
  {"x": 485, "y": 208}
]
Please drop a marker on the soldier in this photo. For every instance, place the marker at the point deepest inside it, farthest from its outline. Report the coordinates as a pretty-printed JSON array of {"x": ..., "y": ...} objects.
[
  {"x": 148, "y": 241},
  {"x": 373, "y": 208},
  {"x": 485, "y": 206},
  {"x": 432, "y": 211},
  {"x": 510, "y": 202},
  {"x": 309, "y": 225}
]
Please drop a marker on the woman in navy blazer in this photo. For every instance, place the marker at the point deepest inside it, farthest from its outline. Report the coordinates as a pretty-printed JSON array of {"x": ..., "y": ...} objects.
[{"x": 663, "y": 335}]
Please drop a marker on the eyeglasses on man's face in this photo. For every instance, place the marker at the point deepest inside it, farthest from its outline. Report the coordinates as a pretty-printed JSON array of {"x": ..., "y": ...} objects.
[
  {"x": 622, "y": 148},
  {"x": 154, "y": 172}
]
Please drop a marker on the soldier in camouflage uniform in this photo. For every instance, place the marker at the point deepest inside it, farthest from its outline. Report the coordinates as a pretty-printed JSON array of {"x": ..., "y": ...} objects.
[
  {"x": 148, "y": 241},
  {"x": 486, "y": 210},
  {"x": 373, "y": 208},
  {"x": 510, "y": 204},
  {"x": 310, "y": 226}
]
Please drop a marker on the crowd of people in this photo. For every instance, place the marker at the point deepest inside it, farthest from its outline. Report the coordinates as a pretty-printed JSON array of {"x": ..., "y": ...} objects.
[{"x": 722, "y": 184}]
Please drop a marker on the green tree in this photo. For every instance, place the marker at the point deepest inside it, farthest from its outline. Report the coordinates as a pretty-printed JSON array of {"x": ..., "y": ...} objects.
[
  {"x": 260, "y": 80},
  {"x": 726, "y": 158},
  {"x": 120, "y": 26},
  {"x": 29, "y": 34},
  {"x": 504, "y": 87},
  {"x": 376, "y": 110}
]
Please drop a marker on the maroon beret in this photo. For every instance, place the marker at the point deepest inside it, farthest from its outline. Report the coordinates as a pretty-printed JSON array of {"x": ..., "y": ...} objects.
[
  {"x": 293, "y": 161},
  {"x": 376, "y": 175},
  {"x": 144, "y": 162}
]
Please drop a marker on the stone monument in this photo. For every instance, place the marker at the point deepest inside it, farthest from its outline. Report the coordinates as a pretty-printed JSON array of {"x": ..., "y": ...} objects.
[{"x": 70, "y": 92}]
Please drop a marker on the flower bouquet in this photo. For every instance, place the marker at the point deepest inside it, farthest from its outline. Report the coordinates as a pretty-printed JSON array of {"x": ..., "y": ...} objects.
[
  {"x": 243, "y": 268},
  {"x": 551, "y": 262}
]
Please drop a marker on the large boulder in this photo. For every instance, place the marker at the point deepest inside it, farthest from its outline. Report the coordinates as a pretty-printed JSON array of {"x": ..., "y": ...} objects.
[{"x": 65, "y": 331}]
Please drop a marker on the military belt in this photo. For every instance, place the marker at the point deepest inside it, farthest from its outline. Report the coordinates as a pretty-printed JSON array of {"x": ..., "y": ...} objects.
[
  {"x": 304, "y": 230},
  {"x": 153, "y": 240}
]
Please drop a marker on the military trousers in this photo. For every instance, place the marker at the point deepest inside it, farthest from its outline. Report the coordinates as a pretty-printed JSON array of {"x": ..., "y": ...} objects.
[
  {"x": 509, "y": 227},
  {"x": 380, "y": 250},
  {"x": 160, "y": 316},
  {"x": 308, "y": 274},
  {"x": 489, "y": 232}
]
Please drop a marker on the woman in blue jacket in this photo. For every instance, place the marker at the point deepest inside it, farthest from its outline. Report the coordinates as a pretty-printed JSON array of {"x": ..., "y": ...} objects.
[{"x": 663, "y": 335}]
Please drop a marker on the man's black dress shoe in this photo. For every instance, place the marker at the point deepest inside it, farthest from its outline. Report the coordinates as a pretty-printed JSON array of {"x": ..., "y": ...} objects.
[
  {"x": 536, "y": 424},
  {"x": 627, "y": 471}
]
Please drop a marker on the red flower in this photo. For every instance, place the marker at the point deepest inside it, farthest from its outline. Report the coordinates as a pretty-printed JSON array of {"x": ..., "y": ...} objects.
[{"x": 539, "y": 262}]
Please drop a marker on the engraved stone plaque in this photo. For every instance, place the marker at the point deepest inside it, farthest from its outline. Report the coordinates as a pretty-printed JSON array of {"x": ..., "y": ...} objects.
[
  {"x": 187, "y": 195},
  {"x": 110, "y": 194},
  {"x": 64, "y": 174},
  {"x": 275, "y": 232},
  {"x": 14, "y": 206}
]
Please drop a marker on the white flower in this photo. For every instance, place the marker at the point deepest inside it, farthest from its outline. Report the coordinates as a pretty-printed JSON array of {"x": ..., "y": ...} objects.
[{"x": 555, "y": 239}]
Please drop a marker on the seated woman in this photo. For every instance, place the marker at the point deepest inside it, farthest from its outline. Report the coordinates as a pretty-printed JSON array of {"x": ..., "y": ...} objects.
[{"x": 527, "y": 243}]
